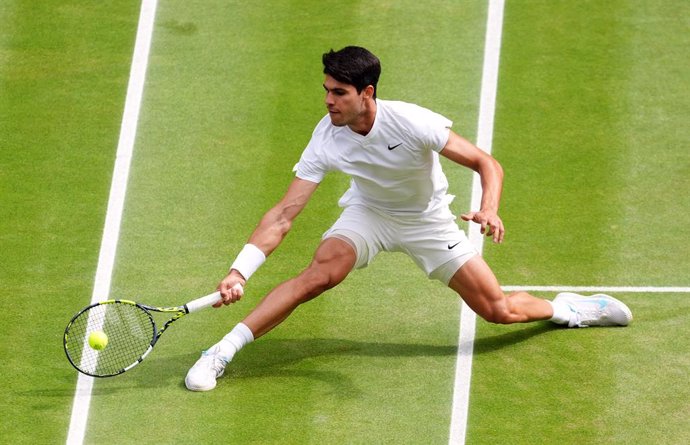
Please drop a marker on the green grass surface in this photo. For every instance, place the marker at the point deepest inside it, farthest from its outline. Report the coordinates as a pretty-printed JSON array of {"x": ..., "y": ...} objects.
[
  {"x": 590, "y": 128},
  {"x": 592, "y": 106},
  {"x": 544, "y": 384},
  {"x": 63, "y": 73}
]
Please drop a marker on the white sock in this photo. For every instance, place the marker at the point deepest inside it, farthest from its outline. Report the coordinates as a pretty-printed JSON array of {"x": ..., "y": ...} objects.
[
  {"x": 561, "y": 312},
  {"x": 233, "y": 342}
]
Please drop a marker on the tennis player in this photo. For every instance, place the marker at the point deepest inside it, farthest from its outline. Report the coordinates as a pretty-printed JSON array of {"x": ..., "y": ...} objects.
[{"x": 397, "y": 201}]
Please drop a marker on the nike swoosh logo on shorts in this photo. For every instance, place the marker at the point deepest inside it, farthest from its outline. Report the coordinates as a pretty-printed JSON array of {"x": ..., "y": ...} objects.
[
  {"x": 451, "y": 246},
  {"x": 394, "y": 146}
]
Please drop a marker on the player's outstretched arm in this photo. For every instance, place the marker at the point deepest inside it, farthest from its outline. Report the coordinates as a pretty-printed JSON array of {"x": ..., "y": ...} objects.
[
  {"x": 463, "y": 152},
  {"x": 270, "y": 232},
  {"x": 276, "y": 223}
]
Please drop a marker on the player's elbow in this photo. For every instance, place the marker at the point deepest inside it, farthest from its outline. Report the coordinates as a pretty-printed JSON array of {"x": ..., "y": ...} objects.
[
  {"x": 277, "y": 221},
  {"x": 283, "y": 226},
  {"x": 499, "y": 168},
  {"x": 491, "y": 167}
]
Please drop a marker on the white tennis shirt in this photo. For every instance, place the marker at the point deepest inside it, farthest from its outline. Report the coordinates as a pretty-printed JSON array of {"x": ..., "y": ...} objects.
[{"x": 394, "y": 168}]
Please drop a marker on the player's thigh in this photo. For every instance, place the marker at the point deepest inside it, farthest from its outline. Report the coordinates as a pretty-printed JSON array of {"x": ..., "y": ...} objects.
[
  {"x": 476, "y": 283},
  {"x": 362, "y": 229},
  {"x": 332, "y": 262}
]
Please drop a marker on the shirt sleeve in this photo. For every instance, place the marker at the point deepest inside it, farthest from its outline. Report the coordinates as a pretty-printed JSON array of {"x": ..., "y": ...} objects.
[
  {"x": 436, "y": 130},
  {"x": 427, "y": 128},
  {"x": 313, "y": 164}
]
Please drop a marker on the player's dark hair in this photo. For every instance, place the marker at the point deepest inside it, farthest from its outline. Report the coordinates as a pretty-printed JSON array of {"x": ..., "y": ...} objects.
[{"x": 353, "y": 65}]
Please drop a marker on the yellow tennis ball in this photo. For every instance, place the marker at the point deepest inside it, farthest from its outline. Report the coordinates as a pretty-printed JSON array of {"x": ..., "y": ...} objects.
[{"x": 98, "y": 340}]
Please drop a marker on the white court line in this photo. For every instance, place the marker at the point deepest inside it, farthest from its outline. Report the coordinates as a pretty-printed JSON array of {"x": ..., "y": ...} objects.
[
  {"x": 603, "y": 289},
  {"x": 116, "y": 200},
  {"x": 487, "y": 107}
]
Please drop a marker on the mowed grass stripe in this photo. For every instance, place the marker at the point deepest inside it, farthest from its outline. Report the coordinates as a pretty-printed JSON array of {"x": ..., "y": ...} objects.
[
  {"x": 565, "y": 133},
  {"x": 63, "y": 72},
  {"x": 230, "y": 103}
]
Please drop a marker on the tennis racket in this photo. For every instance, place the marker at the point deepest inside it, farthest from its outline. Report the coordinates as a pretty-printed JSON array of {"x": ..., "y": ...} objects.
[{"x": 130, "y": 329}]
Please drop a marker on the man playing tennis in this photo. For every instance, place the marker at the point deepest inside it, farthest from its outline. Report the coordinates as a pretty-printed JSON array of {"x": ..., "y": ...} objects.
[{"x": 397, "y": 201}]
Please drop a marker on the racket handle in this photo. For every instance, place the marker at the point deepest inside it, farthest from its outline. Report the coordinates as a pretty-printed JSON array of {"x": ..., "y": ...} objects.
[
  {"x": 203, "y": 302},
  {"x": 208, "y": 300}
]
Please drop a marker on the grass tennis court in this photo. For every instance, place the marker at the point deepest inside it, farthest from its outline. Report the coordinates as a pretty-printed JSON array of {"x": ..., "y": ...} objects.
[{"x": 591, "y": 128}]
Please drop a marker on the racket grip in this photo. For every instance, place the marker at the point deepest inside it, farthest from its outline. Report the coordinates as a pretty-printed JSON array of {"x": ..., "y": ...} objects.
[
  {"x": 208, "y": 300},
  {"x": 203, "y": 302}
]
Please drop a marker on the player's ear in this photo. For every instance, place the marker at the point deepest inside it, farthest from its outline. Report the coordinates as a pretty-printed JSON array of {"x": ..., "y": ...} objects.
[{"x": 368, "y": 92}]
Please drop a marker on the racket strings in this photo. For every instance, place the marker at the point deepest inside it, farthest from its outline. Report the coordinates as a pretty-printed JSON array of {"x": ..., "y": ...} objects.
[{"x": 130, "y": 331}]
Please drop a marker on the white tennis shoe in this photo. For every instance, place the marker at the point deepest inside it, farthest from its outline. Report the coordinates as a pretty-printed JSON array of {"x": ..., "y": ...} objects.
[
  {"x": 202, "y": 376},
  {"x": 597, "y": 310}
]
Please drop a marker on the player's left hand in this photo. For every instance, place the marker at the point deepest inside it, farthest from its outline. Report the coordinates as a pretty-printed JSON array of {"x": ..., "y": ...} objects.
[{"x": 491, "y": 224}]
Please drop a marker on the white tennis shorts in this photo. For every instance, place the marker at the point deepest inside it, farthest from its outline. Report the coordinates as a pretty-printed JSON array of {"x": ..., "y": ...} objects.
[{"x": 434, "y": 241}]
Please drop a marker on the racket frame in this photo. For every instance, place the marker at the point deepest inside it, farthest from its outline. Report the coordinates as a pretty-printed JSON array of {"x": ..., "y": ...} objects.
[{"x": 179, "y": 311}]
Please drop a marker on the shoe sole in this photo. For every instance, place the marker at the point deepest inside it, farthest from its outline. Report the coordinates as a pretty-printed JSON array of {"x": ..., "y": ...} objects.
[{"x": 200, "y": 388}]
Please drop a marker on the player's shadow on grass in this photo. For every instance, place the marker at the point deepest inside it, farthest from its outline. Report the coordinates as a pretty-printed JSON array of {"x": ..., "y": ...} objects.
[
  {"x": 282, "y": 358},
  {"x": 269, "y": 356},
  {"x": 285, "y": 359},
  {"x": 269, "y": 353},
  {"x": 495, "y": 342}
]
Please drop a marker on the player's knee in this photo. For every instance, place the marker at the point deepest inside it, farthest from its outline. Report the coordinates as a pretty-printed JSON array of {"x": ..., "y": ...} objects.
[{"x": 315, "y": 281}]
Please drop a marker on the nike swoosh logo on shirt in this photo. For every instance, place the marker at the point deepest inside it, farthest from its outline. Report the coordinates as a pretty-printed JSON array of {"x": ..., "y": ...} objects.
[{"x": 394, "y": 146}]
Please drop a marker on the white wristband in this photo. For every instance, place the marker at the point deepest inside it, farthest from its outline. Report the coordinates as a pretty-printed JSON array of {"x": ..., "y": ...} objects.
[{"x": 248, "y": 261}]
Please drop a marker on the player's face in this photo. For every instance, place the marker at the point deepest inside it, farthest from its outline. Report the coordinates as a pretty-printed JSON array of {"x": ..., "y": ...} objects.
[{"x": 345, "y": 105}]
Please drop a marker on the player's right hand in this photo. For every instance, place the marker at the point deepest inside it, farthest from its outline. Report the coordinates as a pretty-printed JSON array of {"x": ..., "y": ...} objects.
[{"x": 231, "y": 288}]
